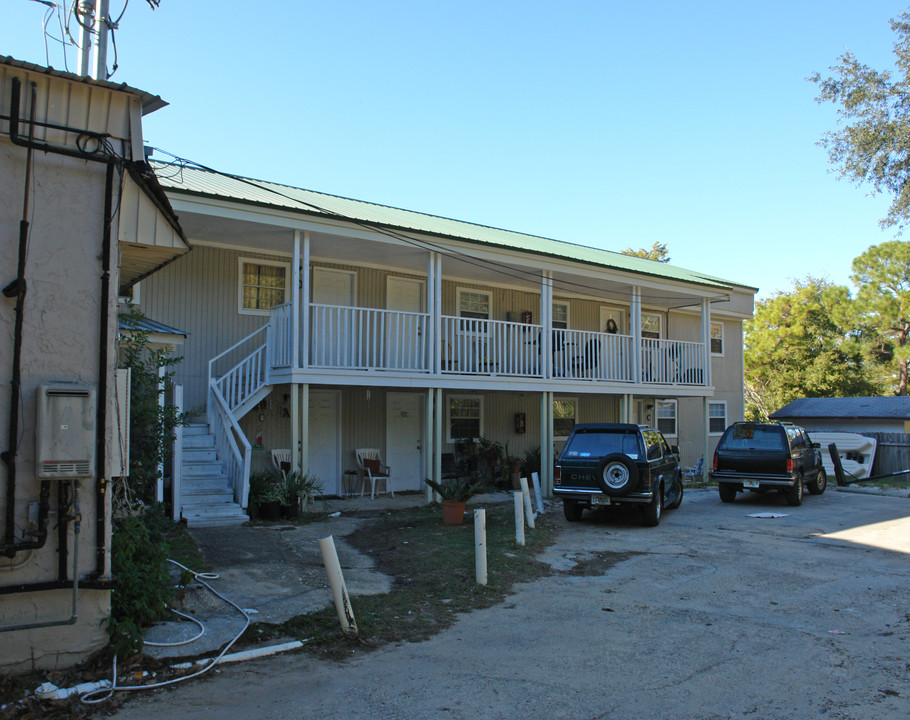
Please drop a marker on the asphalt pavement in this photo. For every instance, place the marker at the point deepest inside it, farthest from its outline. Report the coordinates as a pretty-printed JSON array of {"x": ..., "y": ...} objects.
[{"x": 799, "y": 613}]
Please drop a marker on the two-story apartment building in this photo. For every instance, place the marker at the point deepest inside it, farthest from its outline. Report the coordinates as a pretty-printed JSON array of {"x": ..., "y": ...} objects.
[{"x": 324, "y": 324}]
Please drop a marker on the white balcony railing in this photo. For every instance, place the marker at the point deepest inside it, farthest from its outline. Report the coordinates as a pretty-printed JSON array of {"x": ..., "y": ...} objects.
[
  {"x": 672, "y": 362},
  {"x": 367, "y": 339},
  {"x": 352, "y": 338},
  {"x": 490, "y": 347},
  {"x": 583, "y": 355}
]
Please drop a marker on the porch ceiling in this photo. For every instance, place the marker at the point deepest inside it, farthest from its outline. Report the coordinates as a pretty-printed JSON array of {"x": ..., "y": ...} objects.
[{"x": 462, "y": 264}]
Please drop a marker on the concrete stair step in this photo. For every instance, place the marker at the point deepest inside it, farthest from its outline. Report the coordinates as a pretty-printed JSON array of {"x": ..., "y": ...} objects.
[
  {"x": 229, "y": 514},
  {"x": 201, "y": 469},
  {"x": 201, "y": 442},
  {"x": 199, "y": 454},
  {"x": 205, "y": 482},
  {"x": 196, "y": 429},
  {"x": 206, "y": 496}
]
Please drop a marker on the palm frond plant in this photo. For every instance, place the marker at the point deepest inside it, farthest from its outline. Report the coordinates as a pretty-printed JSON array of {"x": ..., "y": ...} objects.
[
  {"x": 457, "y": 489},
  {"x": 302, "y": 488}
]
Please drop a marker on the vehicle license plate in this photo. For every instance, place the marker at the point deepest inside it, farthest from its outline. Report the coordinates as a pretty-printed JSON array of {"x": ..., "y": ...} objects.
[
  {"x": 600, "y": 499},
  {"x": 751, "y": 484}
]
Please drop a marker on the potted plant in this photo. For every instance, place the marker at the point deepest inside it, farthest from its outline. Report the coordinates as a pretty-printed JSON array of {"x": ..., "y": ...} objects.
[
  {"x": 266, "y": 494},
  {"x": 455, "y": 493},
  {"x": 301, "y": 489}
]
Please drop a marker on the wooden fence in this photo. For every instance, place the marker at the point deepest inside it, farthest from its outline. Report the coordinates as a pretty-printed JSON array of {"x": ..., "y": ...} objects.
[{"x": 892, "y": 453}]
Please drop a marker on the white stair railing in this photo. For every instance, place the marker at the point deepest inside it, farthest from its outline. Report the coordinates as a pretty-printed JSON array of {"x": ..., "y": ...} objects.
[
  {"x": 227, "y": 393},
  {"x": 233, "y": 448},
  {"x": 247, "y": 376}
]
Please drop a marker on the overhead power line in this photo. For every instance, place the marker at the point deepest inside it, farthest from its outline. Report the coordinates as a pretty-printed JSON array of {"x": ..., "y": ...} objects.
[{"x": 465, "y": 257}]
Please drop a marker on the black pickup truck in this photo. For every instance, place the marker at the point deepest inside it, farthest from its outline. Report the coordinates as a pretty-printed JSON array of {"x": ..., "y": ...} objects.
[{"x": 768, "y": 456}]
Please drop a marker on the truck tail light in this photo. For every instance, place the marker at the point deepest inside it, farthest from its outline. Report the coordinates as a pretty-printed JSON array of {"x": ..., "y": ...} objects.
[
  {"x": 789, "y": 465},
  {"x": 715, "y": 462},
  {"x": 557, "y": 475},
  {"x": 644, "y": 479}
]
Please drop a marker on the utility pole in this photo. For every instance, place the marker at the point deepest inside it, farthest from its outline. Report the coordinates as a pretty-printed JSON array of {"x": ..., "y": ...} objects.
[{"x": 94, "y": 28}]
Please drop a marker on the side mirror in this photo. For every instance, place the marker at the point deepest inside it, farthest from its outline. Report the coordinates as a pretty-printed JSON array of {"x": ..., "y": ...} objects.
[
  {"x": 815, "y": 446},
  {"x": 674, "y": 449}
]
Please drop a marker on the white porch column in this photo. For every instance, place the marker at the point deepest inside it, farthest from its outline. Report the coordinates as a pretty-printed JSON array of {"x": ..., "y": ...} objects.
[
  {"x": 437, "y": 421},
  {"x": 432, "y": 342},
  {"x": 706, "y": 337},
  {"x": 635, "y": 316},
  {"x": 304, "y": 437},
  {"x": 303, "y": 361},
  {"x": 295, "y": 303},
  {"x": 546, "y": 320},
  {"x": 546, "y": 443},
  {"x": 295, "y": 426},
  {"x": 432, "y": 449},
  {"x": 707, "y": 445},
  {"x": 436, "y": 318}
]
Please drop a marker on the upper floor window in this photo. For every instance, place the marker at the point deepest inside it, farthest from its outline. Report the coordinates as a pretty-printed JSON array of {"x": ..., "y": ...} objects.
[
  {"x": 561, "y": 315},
  {"x": 650, "y": 325},
  {"x": 263, "y": 284},
  {"x": 474, "y": 304},
  {"x": 717, "y": 338}
]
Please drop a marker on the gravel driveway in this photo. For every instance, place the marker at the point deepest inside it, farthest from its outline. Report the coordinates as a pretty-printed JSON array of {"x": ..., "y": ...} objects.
[{"x": 713, "y": 614}]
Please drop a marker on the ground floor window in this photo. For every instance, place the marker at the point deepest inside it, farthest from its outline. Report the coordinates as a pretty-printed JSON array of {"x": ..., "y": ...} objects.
[
  {"x": 565, "y": 415},
  {"x": 717, "y": 417},
  {"x": 666, "y": 416},
  {"x": 465, "y": 417}
]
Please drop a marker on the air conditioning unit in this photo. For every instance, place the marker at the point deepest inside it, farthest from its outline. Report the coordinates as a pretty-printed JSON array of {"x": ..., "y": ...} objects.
[{"x": 65, "y": 431}]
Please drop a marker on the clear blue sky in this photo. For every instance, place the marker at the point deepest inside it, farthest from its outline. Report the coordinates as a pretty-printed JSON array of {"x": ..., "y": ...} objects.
[{"x": 610, "y": 124}]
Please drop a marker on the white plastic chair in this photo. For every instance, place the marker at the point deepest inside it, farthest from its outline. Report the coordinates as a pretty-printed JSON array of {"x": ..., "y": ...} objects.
[
  {"x": 279, "y": 457},
  {"x": 695, "y": 470},
  {"x": 371, "y": 468}
]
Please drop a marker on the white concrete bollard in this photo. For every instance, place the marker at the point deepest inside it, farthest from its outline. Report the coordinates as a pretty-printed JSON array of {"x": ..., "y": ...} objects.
[
  {"x": 535, "y": 478},
  {"x": 526, "y": 497},
  {"x": 336, "y": 582},
  {"x": 480, "y": 546},
  {"x": 519, "y": 517}
]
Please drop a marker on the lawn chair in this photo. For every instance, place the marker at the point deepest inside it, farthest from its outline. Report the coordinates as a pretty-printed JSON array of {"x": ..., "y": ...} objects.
[
  {"x": 695, "y": 471},
  {"x": 371, "y": 468},
  {"x": 281, "y": 459}
]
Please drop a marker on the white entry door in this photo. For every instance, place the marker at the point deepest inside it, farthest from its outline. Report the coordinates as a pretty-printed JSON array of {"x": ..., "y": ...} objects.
[
  {"x": 334, "y": 343},
  {"x": 404, "y": 348},
  {"x": 404, "y": 439},
  {"x": 325, "y": 439}
]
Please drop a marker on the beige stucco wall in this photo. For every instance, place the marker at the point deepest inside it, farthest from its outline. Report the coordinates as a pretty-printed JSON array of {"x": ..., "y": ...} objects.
[{"x": 61, "y": 338}]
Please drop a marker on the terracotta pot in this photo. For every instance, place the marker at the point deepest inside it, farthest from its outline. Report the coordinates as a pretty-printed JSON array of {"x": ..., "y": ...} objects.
[{"x": 453, "y": 512}]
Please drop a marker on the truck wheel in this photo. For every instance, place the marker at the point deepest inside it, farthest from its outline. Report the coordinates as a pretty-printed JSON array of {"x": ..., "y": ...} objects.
[
  {"x": 617, "y": 474},
  {"x": 678, "y": 501},
  {"x": 817, "y": 486},
  {"x": 572, "y": 509},
  {"x": 650, "y": 513},
  {"x": 795, "y": 493},
  {"x": 727, "y": 493}
]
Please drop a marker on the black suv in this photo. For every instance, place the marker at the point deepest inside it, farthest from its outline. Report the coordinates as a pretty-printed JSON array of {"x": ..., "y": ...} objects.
[
  {"x": 768, "y": 456},
  {"x": 612, "y": 464}
]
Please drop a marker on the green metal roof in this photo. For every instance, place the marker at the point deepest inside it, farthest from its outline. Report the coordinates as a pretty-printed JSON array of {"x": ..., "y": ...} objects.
[{"x": 195, "y": 181}]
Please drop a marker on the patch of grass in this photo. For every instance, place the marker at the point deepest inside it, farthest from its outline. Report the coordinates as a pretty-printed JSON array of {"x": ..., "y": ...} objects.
[
  {"x": 900, "y": 482},
  {"x": 432, "y": 566}
]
